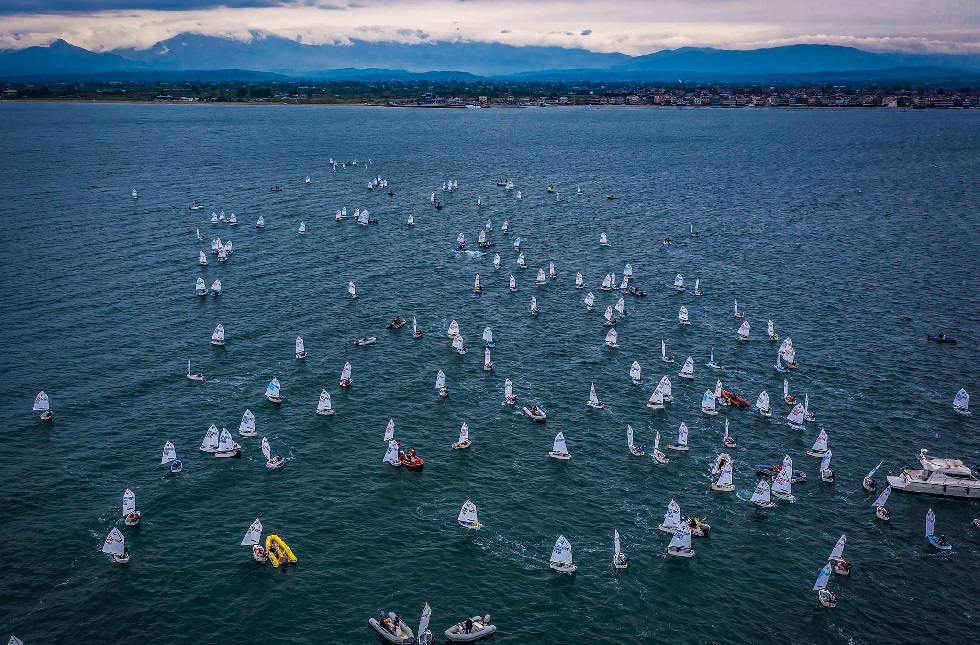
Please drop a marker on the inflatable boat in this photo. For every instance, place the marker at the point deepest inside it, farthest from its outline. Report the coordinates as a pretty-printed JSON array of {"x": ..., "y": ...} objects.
[
  {"x": 535, "y": 414},
  {"x": 942, "y": 338},
  {"x": 734, "y": 399},
  {"x": 411, "y": 460},
  {"x": 400, "y": 633},
  {"x": 278, "y": 551},
  {"x": 763, "y": 470},
  {"x": 479, "y": 628},
  {"x": 367, "y": 340}
]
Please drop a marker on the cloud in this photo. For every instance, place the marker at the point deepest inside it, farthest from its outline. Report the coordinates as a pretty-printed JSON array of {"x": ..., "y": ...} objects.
[{"x": 628, "y": 26}]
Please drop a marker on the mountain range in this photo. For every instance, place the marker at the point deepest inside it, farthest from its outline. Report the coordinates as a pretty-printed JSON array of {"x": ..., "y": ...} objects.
[{"x": 269, "y": 56}]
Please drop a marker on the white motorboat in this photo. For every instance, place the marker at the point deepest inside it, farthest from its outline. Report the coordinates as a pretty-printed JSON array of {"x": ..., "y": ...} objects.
[
  {"x": 681, "y": 445},
  {"x": 392, "y": 629},
  {"x": 561, "y": 556},
  {"x": 943, "y": 477},
  {"x": 364, "y": 341},
  {"x": 559, "y": 450},
  {"x": 535, "y": 413}
]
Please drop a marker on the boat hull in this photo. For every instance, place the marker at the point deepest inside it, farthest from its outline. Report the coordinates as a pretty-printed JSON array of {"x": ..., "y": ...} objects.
[
  {"x": 279, "y": 552},
  {"x": 407, "y": 637},
  {"x": 461, "y": 445},
  {"x": 906, "y": 485},
  {"x": 564, "y": 456},
  {"x": 563, "y": 568},
  {"x": 457, "y": 633}
]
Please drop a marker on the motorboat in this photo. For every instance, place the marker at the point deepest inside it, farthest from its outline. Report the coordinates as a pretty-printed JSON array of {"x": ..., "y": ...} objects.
[
  {"x": 942, "y": 338},
  {"x": 366, "y": 340},
  {"x": 535, "y": 413},
  {"x": 411, "y": 460},
  {"x": 944, "y": 477},
  {"x": 279, "y": 552},
  {"x": 734, "y": 400},
  {"x": 472, "y": 629},
  {"x": 397, "y": 323},
  {"x": 763, "y": 470}
]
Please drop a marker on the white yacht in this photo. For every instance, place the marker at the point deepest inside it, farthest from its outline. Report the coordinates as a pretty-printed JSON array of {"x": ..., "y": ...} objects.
[{"x": 945, "y": 477}]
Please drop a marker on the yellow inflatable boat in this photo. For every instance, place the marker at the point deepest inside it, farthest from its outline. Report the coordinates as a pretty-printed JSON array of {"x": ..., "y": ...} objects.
[{"x": 279, "y": 551}]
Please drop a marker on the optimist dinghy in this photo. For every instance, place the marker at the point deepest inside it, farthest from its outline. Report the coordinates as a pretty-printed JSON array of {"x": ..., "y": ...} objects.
[
  {"x": 868, "y": 484},
  {"x": 252, "y": 538},
  {"x": 274, "y": 391},
  {"x": 940, "y": 542},
  {"x": 680, "y": 544},
  {"x": 762, "y": 403},
  {"x": 594, "y": 401},
  {"x": 416, "y": 332},
  {"x": 43, "y": 405},
  {"x": 826, "y": 474},
  {"x": 728, "y": 439},
  {"x": 881, "y": 512},
  {"x": 634, "y": 449},
  {"x": 464, "y": 438},
  {"x": 559, "y": 450},
  {"x": 201, "y": 287},
  {"x": 795, "y": 418},
  {"x": 487, "y": 363},
  {"x": 724, "y": 481},
  {"x": 672, "y": 518},
  {"x": 771, "y": 331},
  {"x": 300, "y": 349},
  {"x": 391, "y": 454},
  {"x": 708, "y": 403},
  {"x": 115, "y": 545},
  {"x": 679, "y": 283},
  {"x": 665, "y": 387},
  {"x": 841, "y": 566},
  {"x": 738, "y": 314},
  {"x": 681, "y": 445},
  {"x": 697, "y": 287},
  {"x": 247, "y": 427},
  {"x": 782, "y": 486},
  {"x": 603, "y": 240},
  {"x": 635, "y": 373},
  {"x": 218, "y": 336},
  {"x": 270, "y": 461},
  {"x": 227, "y": 448},
  {"x": 509, "y": 397},
  {"x": 324, "y": 406},
  {"x": 620, "y": 559},
  {"x": 657, "y": 454},
  {"x": 561, "y": 556},
  {"x": 663, "y": 353},
  {"x": 441, "y": 383},
  {"x": 467, "y": 516},
  {"x": 743, "y": 331},
  {"x": 579, "y": 281},
  {"x": 352, "y": 289},
  {"x": 170, "y": 457},
  {"x": 819, "y": 448},
  {"x": 345, "y": 376},
  {"x": 961, "y": 402},
  {"x": 762, "y": 495},
  {"x": 488, "y": 337},
  {"x": 656, "y": 401},
  {"x": 711, "y": 361},
  {"x": 826, "y": 598},
  {"x": 130, "y": 515},
  {"x": 687, "y": 371},
  {"x": 683, "y": 317},
  {"x": 193, "y": 377}
]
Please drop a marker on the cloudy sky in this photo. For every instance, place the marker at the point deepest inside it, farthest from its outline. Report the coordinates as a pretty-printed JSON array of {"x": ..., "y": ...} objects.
[{"x": 628, "y": 26}]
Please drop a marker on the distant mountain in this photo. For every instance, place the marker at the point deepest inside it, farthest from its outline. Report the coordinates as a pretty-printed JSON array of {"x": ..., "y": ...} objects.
[{"x": 206, "y": 57}]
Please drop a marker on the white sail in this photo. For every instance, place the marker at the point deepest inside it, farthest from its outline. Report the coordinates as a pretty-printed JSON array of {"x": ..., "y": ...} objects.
[
  {"x": 218, "y": 334},
  {"x": 468, "y": 513},
  {"x": 672, "y": 518},
  {"x": 391, "y": 455},
  {"x": 656, "y": 442},
  {"x": 681, "y": 540},
  {"x": 743, "y": 330},
  {"x": 253, "y": 534},
  {"x": 114, "y": 543},
  {"x": 247, "y": 427},
  {"x": 838, "y": 550},
  {"x": 762, "y": 493},
  {"x": 786, "y": 350},
  {"x": 960, "y": 402},
  {"x": 487, "y": 335},
  {"x": 201, "y": 285},
  {"x": 534, "y": 304},
  {"x": 708, "y": 402},
  {"x": 521, "y": 262},
  {"x": 665, "y": 387},
  {"x": 609, "y": 314},
  {"x": 785, "y": 388},
  {"x": 225, "y": 442},
  {"x": 629, "y": 435},
  {"x": 562, "y": 553},
  {"x": 611, "y": 338},
  {"x": 769, "y": 328},
  {"x": 682, "y": 434},
  {"x": 411, "y": 220},
  {"x": 687, "y": 371},
  {"x": 559, "y": 446},
  {"x": 823, "y": 578},
  {"x": 274, "y": 388},
  {"x": 607, "y": 282},
  {"x": 508, "y": 388},
  {"x": 593, "y": 399},
  {"x": 390, "y": 430},
  {"x": 541, "y": 277},
  {"x": 589, "y": 300},
  {"x": 302, "y": 227},
  {"x": 129, "y": 502},
  {"x": 725, "y": 479},
  {"x": 624, "y": 283},
  {"x": 346, "y": 372},
  {"x": 496, "y": 260},
  {"x": 458, "y": 343},
  {"x": 216, "y": 286},
  {"x": 930, "y": 523},
  {"x": 14, "y": 641},
  {"x": 820, "y": 445},
  {"x": 486, "y": 357},
  {"x": 169, "y": 453},
  {"x": 41, "y": 403},
  {"x": 620, "y": 306},
  {"x": 266, "y": 449},
  {"x": 210, "y": 443},
  {"x": 678, "y": 281},
  {"x": 795, "y": 417},
  {"x": 603, "y": 240},
  {"x": 663, "y": 350},
  {"x": 476, "y": 282},
  {"x": 202, "y": 258},
  {"x": 415, "y": 326},
  {"x": 300, "y": 346},
  {"x": 324, "y": 404},
  {"x": 656, "y": 399},
  {"x": 825, "y": 462},
  {"x": 873, "y": 471},
  {"x": 453, "y": 329},
  {"x": 682, "y": 315},
  {"x": 440, "y": 380},
  {"x": 616, "y": 546},
  {"x": 782, "y": 485},
  {"x": 483, "y": 237},
  {"x": 579, "y": 280},
  {"x": 351, "y": 289},
  {"x": 461, "y": 239},
  {"x": 736, "y": 308},
  {"x": 464, "y": 433},
  {"x": 883, "y": 498},
  {"x": 513, "y": 283},
  {"x": 762, "y": 402},
  {"x": 517, "y": 242},
  {"x": 718, "y": 392},
  {"x": 635, "y": 372}
]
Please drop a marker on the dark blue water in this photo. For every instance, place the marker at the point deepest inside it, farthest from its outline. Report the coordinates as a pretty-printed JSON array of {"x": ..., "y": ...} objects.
[{"x": 855, "y": 231}]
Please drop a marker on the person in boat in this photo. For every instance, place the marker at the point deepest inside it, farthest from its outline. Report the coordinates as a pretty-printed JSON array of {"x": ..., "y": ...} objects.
[
  {"x": 469, "y": 625},
  {"x": 941, "y": 335},
  {"x": 412, "y": 456},
  {"x": 402, "y": 455},
  {"x": 394, "y": 623},
  {"x": 534, "y": 409}
]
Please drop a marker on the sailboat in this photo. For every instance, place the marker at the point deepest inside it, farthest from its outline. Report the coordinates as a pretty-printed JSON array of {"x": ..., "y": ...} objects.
[
  {"x": 635, "y": 373},
  {"x": 809, "y": 416},
  {"x": 682, "y": 316},
  {"x": 201, "y": 287},
  {"x": 672, "y": 518},
  {"x": 345, "y": 376},
  {"x": 787, "y": 397},
  {"x": 728, "y": 439},
  {"x": 272, "y": 392},
  {"x": 453, "y": 330},
  {"x": 459, "y": 345},
  {"x": 467, "y": 517},
  {"x": 504, "y": 226},
  {"x": 665, "y": 387},
  {"x": 663, "y": 353},
  {"x": 476, "y": 284},
  {"x": 540, "y": 279},
  {"x": 779, "y": 364},
  {"x": 679, "y": 282},
  {"x": 561, "y": 556},
  {"x": 594, "y": 401},
  {"x": 620, "y": 307},
  {"x": 210, "y": 442},
  {"x": 488, "y": 337},
  {"x": 513, "y": 284},
  {"x": 826, "y": 474},
  {"x": 509, "y": 397},
  {"x": 589, "y": 301},
  {"x": 680, "y": 543},
  {"x": 260, "y": 223},
  {"x": 787, "y": 352},
  {"x": 762, "y": 495},
  {"x": 743, "y": 331},
  {"x": 819, "y": 448},
  {"x": 222, "y": 254},
  {"x": 624, "y": 285},
  {"x": 517, "y": 244},
  {"x": 868, "y": 483},
  {"x": 391, "y": 454},
  {"x": 521, "y": 262},
  {"x": 697, "y": 287},
  {"x": 324, "y": 405},
  {"x": 130, "y": 514},
  {"x": 227, "y": 447},
  {"x": 302, "y": 228},
  {"x": 795, "y": 418},
  {"x": 687, "y": 371},
  {"x": 634, "y": 449},
  {"x": 551, "y": 271},
  {"x": 487, "y": 363},
  {"x": 534, "y": 306},
  {"x": 841, "y": 566},
  {"x": 202, "y": 259},
  {"x": 460, "y": 243},
  {"x": 738, "y": 314},
  {"x": 607, "y": 283},
  {"x": 441, "y": 383},
  {"x": 681, "y": 445},
  {"x": 42, "y": 405},
  {"x": 214, "y": 217},
  {"x": 611, "y": 338},
  {"x": 762, "y": 404},
  {"x": 464, "y": 438},
  {"x": 579, "y": 280},
  {"x": 270, "y": 461},
  {"x": 771, "y": 331},
  {"x": 218, "y": 335},
  {"x": 941, "y": 542},
  {"x": 170, "y": 457},
  {"x": 881, "y": 512},
  {"x": 559, "y": 450},
  {"x": 496, "y": 260},
  {"x": 191, "y": 376},
  {"x": 657, "y": 453},
  {"x": 708, "y": 403},
  {"x": 252, "y": 538},
  {"x": 216, "y": 288},
  {"x": 603, "y": 240},
  {"x": 411, "y": 220},
  {"x": 961, "y": 402},
  {"x": 115, "y": 545},
  {"x": 826, "y": 598},
  {"x": 724, "y": 482},
  {"x": 782, "y": 486},
  {"x": 136, "y": 195},
  {"x": 416, "y": 333},
  {"x": 609, "y": 316},
  {"x": 656, "y": 401},
  {"x": 247, "y": 427},
  {"x": 711, "y": 361},
  {"x": 300, "y": 348},
  {"x": 351, "y": 289}
]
